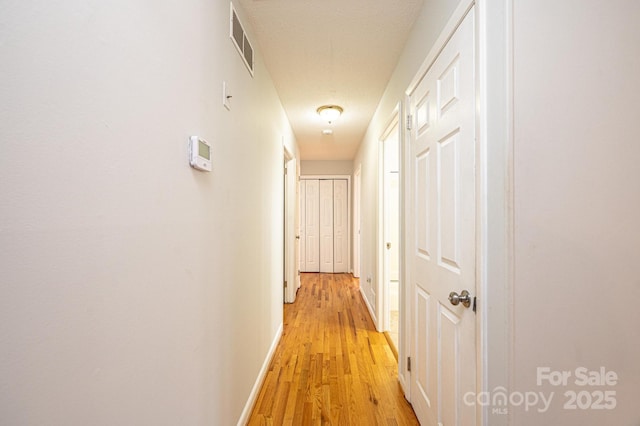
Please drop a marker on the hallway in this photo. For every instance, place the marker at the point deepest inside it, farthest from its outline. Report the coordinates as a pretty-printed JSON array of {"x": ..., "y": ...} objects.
[{"x": 331, "y": 366}]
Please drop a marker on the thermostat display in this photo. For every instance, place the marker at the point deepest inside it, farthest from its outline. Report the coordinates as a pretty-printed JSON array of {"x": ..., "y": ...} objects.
[{"x": 199, "y": 154}]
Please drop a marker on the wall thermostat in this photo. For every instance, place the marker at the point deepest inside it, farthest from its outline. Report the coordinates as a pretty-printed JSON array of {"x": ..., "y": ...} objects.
[{"x": 199, "y": 154}]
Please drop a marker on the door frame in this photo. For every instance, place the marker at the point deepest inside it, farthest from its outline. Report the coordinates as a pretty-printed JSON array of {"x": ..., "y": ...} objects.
[
  {"x": 356, "y": 220},
  {"x": 494, "y": 197},
  {"x": 291, "y": 225},
  {"x": 382, "y": 303},
  {"x": 495, "y": 189}
]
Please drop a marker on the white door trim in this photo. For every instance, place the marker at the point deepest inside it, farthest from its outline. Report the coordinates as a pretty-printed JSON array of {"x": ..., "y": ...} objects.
[
  {"x": 382, "y": 322},
  {"x": 357, "y": 182},
  {"x": 494, "y": 85},
  {"x": 290, "y": 225}
]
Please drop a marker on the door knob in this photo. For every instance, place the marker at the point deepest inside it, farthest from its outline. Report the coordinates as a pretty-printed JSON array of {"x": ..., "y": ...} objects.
[
  {"x": 297, "y": 237},
  {"x": 463, "y": 297},
  {"x": 388, "y": 245}
]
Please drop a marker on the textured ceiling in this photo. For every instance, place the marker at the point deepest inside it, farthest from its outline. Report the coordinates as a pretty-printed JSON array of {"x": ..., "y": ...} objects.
[{"x": 330, "y": 52}]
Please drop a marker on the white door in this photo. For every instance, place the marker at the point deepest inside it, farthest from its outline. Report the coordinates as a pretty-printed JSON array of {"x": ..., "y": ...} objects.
[
  {"x": 294, "y": 205},
  {"x": 302, "y": 186},
  {"x": 312, "y": 226},
  {"x": 443, "y": 234},
  {"x": 326, "y": 226},
  {"x": 340, "y": 227}
]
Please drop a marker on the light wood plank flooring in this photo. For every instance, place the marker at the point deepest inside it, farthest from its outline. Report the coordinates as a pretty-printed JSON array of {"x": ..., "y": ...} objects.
[{"x": 331, "y": 366}]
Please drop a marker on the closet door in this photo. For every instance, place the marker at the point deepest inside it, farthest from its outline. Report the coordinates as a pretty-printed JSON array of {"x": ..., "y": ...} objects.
[
  {"x": 340, "y": 227},
  {"x": 326, "y": 226},
  {"x": 302, "y": 185},
  {"x": 312, "y": 228}
]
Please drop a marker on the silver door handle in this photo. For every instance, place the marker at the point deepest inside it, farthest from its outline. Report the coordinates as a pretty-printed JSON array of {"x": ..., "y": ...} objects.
[{"x": 463, "y": 297}]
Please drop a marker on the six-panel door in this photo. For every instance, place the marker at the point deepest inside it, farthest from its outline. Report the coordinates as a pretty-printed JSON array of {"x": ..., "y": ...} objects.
[{"x": 443, "y": 239}]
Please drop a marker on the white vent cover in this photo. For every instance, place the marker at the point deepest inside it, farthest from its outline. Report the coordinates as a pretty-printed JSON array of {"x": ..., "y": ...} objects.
[{"x": 240, "y": 40}]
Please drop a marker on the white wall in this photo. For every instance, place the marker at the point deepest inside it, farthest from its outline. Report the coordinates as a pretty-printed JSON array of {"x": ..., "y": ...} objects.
[
  {"x": 577, "y": 201},
  {"x": 321, "y": 167},
  {"x": 133, "y": 289}
]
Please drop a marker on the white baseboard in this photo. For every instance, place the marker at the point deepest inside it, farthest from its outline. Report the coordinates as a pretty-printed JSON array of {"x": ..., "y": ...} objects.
[
  {"x": 371, "y": 313},
  {"x": 253, "y": 396},
  {"x": 403, "y": 385}
]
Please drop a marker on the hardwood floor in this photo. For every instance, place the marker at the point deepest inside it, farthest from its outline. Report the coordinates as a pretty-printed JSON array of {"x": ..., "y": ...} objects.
[{"x": 331, "y": 366}]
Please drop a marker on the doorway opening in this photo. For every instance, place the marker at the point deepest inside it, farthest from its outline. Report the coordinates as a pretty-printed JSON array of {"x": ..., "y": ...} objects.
[
  {"x": 390, "y": 212},
  {"x": 290, "y": 236},
  {"x": 356, "y": 221}
]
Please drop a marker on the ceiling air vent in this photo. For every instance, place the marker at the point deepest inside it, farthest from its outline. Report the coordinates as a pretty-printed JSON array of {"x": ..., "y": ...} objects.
[{"x": 240, "y": 40}]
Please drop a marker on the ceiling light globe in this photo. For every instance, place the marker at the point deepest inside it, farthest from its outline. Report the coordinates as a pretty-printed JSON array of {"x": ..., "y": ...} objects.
[{"x": 330, "y": 113}]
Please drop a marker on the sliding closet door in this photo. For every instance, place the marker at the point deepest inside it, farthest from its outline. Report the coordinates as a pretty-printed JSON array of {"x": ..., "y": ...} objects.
[
  {"x": 324, "y": 214},
  {"x": 312, "y": 228},
  {"x": 340, "y": 227},
  {"x": 302, "y": 185},
  {"x": 326, "y": 226}
]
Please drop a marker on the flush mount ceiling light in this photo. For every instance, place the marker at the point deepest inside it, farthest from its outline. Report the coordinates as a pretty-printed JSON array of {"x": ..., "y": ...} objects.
[
  {"x": 329, "y": 112},
  {"x": 327, "y": 132}
]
